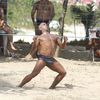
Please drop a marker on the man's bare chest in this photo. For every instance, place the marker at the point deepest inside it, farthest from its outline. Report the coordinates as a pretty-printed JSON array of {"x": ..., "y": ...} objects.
[{"x": 43, "y": 7}]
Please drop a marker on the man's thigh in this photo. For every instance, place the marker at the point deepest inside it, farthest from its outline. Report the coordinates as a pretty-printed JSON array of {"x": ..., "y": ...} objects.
[
  {"x": 39, "y": 66},
  {"x": 57, "y": 67}
]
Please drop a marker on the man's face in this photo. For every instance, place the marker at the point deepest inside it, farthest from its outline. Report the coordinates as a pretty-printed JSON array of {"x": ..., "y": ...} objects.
[{"x": 43, "y": 26}]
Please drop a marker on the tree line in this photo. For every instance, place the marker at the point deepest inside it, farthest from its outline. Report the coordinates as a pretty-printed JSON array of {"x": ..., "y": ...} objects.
[{"x": 19, "y": 14}]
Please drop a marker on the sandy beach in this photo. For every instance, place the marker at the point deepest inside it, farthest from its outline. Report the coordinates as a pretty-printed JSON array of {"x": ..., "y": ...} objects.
[{"x": 82, "y": 81}]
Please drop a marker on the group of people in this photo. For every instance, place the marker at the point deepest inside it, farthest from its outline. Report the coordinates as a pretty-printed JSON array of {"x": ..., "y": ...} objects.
[{"x": 45, "y": 43}]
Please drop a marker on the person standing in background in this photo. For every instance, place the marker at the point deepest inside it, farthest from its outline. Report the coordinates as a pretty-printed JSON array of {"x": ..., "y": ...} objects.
[{"x": 42, "y": 11}]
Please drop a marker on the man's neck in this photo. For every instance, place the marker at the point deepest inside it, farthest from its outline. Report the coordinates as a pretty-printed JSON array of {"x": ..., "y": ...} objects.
[{"x": 45, "y": 32}]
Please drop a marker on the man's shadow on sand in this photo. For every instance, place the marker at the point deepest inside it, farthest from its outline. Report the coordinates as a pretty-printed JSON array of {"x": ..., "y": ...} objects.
[
  {"x": 4, "y": 85},
  {"x": 8, "y": 88},
  {"x": 68, "y": 86}
]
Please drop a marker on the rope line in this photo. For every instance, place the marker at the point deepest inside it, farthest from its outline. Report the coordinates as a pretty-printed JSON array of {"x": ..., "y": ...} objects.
[{"x": 55, "y": 34}]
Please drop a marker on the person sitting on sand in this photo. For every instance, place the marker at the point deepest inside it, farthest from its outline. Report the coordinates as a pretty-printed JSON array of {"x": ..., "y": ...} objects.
[
  {"x": 46, "y": 45},
  {"x": 8, "y": 30}
]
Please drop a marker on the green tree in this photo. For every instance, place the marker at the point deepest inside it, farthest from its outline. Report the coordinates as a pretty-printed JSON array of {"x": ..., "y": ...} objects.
[
  {"x": 86, "y": 15},
  {"x": 19, "y": 13},
  {"x": 97, "y": 21}
]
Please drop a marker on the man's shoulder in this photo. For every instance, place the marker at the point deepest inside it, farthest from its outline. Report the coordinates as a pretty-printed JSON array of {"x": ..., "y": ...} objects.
[
  {"x": 55, "y": 35},
  {"x": 35, "y": 37},
  {"x": 50, "y": 3},
  {"x": 36, "y": 3}
]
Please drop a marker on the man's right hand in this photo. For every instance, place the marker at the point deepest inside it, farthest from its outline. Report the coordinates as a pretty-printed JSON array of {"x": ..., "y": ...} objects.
[
  {"x": 64, "y": 39},
  {"x": 1, "y": 23}
]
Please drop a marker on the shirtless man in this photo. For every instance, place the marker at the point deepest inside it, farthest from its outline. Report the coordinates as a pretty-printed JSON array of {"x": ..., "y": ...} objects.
[
  {"x": 7, "y": 29},
  {"x": 46, "y": 46},
  {"x": 42, "y": 11}
]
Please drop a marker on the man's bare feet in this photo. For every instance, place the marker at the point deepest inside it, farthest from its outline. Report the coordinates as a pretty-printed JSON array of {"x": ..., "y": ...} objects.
[
  {"x": 12, "y": 47},
  {"x": 51, "y": 87},
  {"x": 19, "y": 86}
]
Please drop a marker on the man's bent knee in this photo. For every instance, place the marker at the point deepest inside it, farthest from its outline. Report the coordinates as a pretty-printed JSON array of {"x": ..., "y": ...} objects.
[{"x": 63, "y": 73}]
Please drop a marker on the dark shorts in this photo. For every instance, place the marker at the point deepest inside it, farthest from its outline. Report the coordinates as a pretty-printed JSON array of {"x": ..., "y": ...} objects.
[
  {"x": 38, "y": 21},
  {"x": 46, "y": 59}
]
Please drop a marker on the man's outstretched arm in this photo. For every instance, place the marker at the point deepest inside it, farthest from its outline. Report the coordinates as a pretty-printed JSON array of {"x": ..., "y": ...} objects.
[{"x": 62, "y": 42}]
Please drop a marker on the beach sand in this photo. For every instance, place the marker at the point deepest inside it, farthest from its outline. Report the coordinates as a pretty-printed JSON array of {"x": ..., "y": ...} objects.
[{"x": 82, "y": 81}]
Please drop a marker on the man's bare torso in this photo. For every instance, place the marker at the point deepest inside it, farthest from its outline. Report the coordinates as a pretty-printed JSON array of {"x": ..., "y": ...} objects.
[
  {"x": 43, "y": 10},
  {"x": 47, "y": 44}
]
